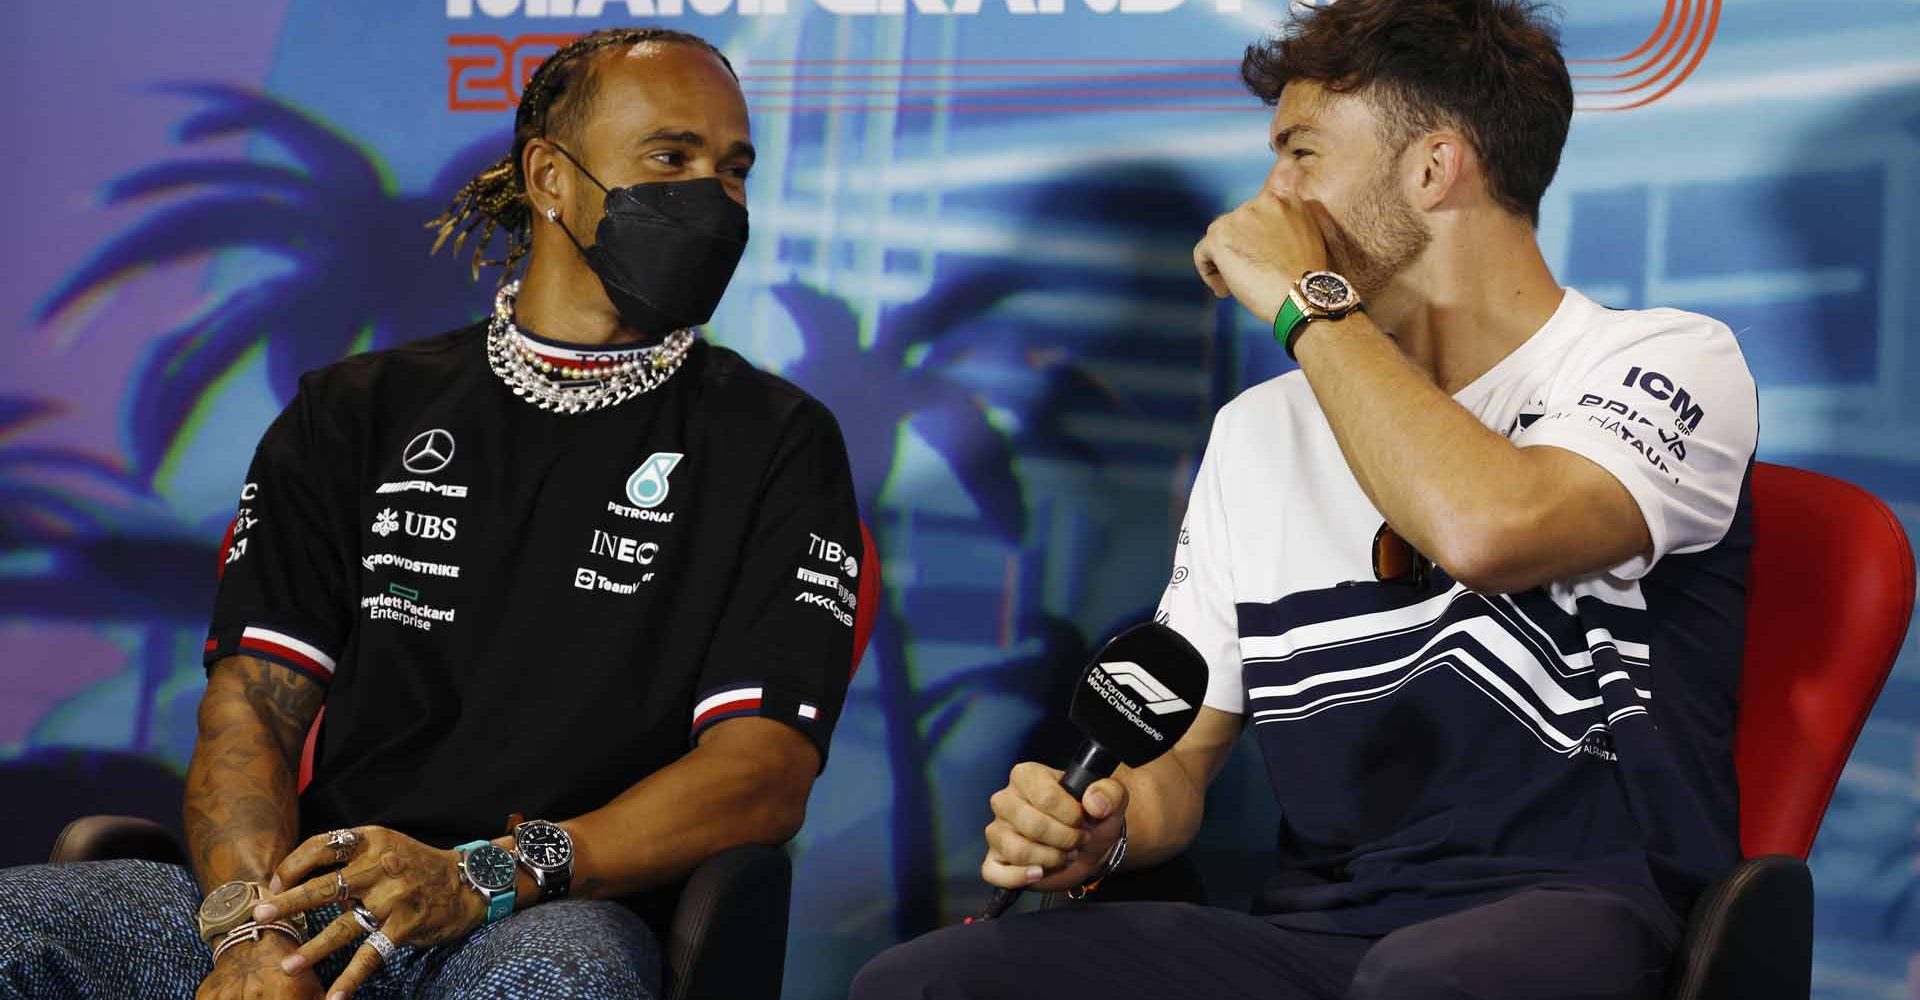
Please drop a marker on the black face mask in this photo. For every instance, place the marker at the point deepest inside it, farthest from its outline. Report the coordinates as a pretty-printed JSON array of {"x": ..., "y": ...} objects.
[{"x": 665, "y": 252}]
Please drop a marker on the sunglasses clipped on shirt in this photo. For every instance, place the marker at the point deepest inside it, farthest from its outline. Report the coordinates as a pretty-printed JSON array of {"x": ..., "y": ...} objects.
[{"x": 1395, "y": 560}]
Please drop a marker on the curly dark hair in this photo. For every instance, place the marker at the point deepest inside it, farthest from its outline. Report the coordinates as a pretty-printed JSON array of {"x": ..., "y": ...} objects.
[
  {"x": 555, "y": 102},
  {"x": 1491, "y": 68}
]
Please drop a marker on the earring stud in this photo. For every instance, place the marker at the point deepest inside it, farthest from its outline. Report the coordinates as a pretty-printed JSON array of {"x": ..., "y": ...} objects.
[{"x": 553, "y": 215}]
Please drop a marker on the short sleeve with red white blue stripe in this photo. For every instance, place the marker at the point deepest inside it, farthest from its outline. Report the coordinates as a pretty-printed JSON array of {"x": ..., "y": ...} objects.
[
  {"x": 785, "y": 646},
  {"x": 283, "y": 576}
]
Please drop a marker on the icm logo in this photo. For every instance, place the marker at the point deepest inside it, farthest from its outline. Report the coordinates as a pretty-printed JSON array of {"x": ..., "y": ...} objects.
[
  {"x": 1158, "y": 698},
  {"x": 647, "y": 487},
  {"x": 428, "y": 452},
  {"x": 1688, "y": 413}
]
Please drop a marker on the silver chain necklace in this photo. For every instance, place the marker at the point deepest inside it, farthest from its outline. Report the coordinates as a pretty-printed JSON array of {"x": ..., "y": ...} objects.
[{"x": 586, "y": 385}]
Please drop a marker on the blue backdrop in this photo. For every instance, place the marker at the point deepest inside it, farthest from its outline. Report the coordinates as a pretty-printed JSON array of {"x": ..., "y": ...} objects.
[{"x": 972, "y": 223}]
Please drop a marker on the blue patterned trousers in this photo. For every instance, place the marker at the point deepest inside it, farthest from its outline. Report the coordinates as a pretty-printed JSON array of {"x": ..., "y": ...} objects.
[{"x": 104, "y": 930}]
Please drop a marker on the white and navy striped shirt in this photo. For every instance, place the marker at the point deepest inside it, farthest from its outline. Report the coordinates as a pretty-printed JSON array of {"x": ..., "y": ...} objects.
[{"x": 1435, "y": 748}]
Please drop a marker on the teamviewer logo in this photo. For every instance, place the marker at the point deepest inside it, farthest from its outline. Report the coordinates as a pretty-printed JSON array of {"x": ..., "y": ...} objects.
[{"x": 1159, "y": 700}]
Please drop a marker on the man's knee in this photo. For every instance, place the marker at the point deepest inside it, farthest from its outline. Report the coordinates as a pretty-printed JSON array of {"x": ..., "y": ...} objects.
[
  {"x": 50, "y": 895},
  {"x": 1414, "y": 966},
  {"x": 569, "y": 948},
  {"x": 83, "y": 929},
  {"x": 943, "y": 965}
]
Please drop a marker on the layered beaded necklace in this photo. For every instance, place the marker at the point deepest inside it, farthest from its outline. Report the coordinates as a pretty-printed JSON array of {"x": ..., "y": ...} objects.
[{"x": 574, "y": 382}]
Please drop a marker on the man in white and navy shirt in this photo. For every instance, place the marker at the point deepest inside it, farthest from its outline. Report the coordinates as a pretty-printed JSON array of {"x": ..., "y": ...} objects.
[{"x": 1475, "y": 574}]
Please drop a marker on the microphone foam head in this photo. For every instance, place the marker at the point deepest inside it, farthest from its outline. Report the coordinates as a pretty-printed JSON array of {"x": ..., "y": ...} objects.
[{"x": 1138, "y": 696}]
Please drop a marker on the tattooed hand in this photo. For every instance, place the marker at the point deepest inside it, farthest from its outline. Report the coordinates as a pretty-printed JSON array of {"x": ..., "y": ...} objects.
[
  {"x": 252, "y": 971},
  {"x": 415, "y": 892}
]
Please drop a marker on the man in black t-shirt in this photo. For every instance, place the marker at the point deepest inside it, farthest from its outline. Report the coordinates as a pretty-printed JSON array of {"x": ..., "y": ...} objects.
[{"x": 570, "y": 565}]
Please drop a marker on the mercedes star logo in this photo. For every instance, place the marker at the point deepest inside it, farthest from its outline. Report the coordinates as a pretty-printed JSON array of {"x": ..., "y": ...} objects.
[{"x": 428, "y": 452}]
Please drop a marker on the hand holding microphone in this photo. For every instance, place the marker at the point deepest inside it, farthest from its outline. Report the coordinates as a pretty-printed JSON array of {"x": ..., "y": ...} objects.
[
  {"x": 1041, "y": 838},
  {"x": 1133, "y": 703}
]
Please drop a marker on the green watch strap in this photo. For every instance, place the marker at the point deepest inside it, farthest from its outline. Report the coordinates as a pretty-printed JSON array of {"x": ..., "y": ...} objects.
[
  {"x": 499, "y": 904},
  {"x": 1288, "y": 324}
]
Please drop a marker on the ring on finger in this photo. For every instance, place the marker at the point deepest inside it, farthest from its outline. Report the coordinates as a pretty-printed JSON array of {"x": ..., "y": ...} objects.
[
  {"x": 365, "y": 918},
  {"x": 382, "y": 944},
  {"x": 340, "y": 889},
  {"x": 343, "y": 843}
]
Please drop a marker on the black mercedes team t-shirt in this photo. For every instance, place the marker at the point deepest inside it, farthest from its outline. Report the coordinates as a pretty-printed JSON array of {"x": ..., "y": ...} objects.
[{"x": 521, "y": 611}]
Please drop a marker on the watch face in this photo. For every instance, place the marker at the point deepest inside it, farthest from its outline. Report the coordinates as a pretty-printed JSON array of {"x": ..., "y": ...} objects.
[
  {"x": 1327, "y": 291},
  {"x": 544, "y": 845},
  {"x": 490, "y": 867},
  {"x": 226, "y": 902}
]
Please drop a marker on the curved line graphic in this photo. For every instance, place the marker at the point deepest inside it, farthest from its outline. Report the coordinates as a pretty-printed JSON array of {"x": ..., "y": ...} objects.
[
  {"x": 1680, "y": 55},
  {"x": 1688, "y": 12},
  {"x": 1706, "y": 42},
  {"x": 1660, "y": 29}
]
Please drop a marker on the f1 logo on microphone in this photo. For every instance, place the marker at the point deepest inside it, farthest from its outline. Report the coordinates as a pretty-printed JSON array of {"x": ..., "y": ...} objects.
[{"x": 1159, "y": 700}]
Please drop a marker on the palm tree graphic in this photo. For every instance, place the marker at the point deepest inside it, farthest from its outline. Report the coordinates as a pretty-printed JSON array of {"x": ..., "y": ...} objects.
[
  {"x": 359, "y": 273},
  {"x": 945, "y": 397}
]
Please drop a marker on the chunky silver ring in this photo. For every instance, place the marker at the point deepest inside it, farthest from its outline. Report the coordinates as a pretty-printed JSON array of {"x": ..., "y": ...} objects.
[
  {"x": 365, "y": 918},
  {"x": 343, "y": 843},
  {"x": 340, "y": 889},
  {"x": 382, "y": 944}
]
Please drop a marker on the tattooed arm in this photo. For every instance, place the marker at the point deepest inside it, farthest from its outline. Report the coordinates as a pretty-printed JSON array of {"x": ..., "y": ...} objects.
[
  {"x": 242, "y": 806},
  {"x": 241, "y": 801}
]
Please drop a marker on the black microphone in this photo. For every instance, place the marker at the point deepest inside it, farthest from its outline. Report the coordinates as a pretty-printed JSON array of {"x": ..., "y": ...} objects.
[{"x": 1133, "y": 703}]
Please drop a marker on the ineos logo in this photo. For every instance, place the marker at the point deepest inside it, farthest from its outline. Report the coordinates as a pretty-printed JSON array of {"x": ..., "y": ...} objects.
[{"x": 428, "y": 452}]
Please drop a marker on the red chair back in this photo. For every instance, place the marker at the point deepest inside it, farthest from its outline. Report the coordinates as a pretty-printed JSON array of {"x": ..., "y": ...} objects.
[
  {"x": 867, "y": 599},
  {"x": 1829, "y": 595},
  {"x": 867, "y": 593}
]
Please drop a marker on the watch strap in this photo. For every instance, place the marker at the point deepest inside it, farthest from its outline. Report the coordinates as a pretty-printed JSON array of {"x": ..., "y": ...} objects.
[
  {"x": 553, "y": 882},
  {"x": 1112, "y": 864},
  {"x": 499, "y": 901},
  {"x": 500, "y": 904},
  {"x": 1291, "y": 319}
]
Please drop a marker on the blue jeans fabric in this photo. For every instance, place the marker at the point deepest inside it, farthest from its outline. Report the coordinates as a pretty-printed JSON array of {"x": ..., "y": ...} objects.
[{"x": 104, "y": 930}]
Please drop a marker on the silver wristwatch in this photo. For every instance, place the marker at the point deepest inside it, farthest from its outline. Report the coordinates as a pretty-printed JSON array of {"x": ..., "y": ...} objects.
[{"x": 546, "y": 850}]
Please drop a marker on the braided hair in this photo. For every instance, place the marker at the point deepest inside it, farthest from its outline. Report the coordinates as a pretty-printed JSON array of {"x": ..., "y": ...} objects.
[{"x": 555, "y": 101}]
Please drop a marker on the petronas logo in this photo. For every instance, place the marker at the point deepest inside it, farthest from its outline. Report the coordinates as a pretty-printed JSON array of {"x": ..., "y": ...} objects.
[{"x": 647, "y": 487}]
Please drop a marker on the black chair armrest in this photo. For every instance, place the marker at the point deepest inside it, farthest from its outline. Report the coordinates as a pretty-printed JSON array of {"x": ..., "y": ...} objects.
[
  {"x": 101, "y": 838},
  {"x": 729, "y": 935},
  {"x": 1750, "y": 936}
]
